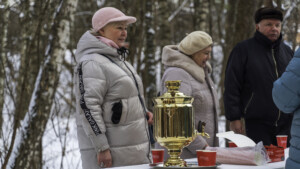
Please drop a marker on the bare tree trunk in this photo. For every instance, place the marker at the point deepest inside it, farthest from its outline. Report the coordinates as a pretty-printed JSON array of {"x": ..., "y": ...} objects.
[
  {"x": 228, "y": 45},
  {"x": 296, "y": 26},
  {"x": 136, "y": 33},
  {"x": 268, "y": 3},
  {"x": 245, "y": 26},
  {"x": 201, "y": 15},
  {"x": 162, "y": 35},
  {"x": 290, "y": 24},
  {"x": 214, "y": 61},
  {"x": 28, "y": 66},
  {"x": 219, "y": 10},
  {"x": 84, "y": 13},
  {"x": 27, "y": 150},
  {"x": 279, "y": 4},
  {"x": 4, "y": 14},
  {"x": 148, "y": 74}
]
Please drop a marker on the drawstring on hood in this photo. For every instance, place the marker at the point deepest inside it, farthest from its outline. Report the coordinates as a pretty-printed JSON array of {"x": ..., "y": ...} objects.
[
  {"x": 89, "y": 43},
  {"x": 123, "y": 52}
]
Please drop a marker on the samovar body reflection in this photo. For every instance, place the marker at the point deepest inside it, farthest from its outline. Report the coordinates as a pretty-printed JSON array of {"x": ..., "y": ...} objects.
[{"x": 174, "y": 126}]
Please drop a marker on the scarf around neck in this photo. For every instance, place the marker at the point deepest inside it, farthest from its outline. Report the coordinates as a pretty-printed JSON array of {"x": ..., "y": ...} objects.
[{"x": 108, "y": 42}]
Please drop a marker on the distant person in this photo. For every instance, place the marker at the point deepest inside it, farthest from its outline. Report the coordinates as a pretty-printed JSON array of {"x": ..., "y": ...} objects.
[
  {"x": 286, "y": 95},
  {"x": 111, "y": 119},
  {"x": 253, "y": 65},
  {"x": 188, "y": 62}
]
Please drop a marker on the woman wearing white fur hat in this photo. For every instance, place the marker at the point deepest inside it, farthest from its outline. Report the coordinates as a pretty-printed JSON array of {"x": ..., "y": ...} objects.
[{"x": 188, "y": 62}]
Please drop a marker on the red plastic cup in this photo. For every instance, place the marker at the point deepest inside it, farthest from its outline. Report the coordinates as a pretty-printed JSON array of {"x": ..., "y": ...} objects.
[
  {"x": 158, "y": 155},
  {"x": 281, "y": 140},
  {"x": 231, "y": 144},
  {"x": 206, "y": 157}
]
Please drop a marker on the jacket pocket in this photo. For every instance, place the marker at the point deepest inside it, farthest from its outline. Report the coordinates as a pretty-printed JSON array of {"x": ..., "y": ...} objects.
[{"x": 119, "y": 112}]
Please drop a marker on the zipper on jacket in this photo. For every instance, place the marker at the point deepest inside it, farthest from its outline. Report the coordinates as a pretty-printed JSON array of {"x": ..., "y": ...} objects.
[
  {"x": 247, "y": 105},
  {"x": 141, "y": 100},
  {"x": 145, "y": 111},
  {"x": 275, "y": 63},
  {"x": 277, "y": 76}
]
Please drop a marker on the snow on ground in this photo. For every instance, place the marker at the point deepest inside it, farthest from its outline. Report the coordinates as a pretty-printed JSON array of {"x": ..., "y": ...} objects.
[
  {"x": 57, "y": 136},
  {"x": 222, "y": 128}
]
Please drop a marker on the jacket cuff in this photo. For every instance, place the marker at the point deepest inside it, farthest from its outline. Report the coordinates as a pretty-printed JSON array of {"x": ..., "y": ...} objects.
[
  {"x": 100, "y": 142},
  {"x": 198, "y": 144},
  {"x": 202, "y": 143}
]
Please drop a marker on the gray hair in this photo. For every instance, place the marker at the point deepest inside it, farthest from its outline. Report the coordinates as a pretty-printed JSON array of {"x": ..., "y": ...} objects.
[{"x": 96, "y": 32}]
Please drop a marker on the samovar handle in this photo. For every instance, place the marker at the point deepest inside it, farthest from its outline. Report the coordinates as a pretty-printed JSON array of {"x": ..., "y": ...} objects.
[{"x": 201, "y": 127}]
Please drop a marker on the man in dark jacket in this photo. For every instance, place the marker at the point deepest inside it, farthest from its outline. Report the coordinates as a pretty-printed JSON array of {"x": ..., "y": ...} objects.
[{"x": 253, "y": 66}]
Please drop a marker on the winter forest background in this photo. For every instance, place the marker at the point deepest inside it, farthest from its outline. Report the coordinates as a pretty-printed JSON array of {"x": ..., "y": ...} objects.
[{"x": 37, "y": 44}]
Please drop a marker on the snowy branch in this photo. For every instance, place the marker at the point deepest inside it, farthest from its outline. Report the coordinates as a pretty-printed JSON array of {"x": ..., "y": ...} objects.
[
  {"x": 288, "y": 12},
  {"x": 177, "y": 10},
  {"x": 21, "y": 132}
]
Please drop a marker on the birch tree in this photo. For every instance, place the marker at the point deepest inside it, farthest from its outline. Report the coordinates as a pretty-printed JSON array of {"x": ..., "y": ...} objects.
[
  {"x": 148, "y": 73},
  {"x": 136, "y": 33},
  {"x": 291, "y": 23},
  {"x": 162, "y": 25},
  {"x": 29, "y": 61},
  {"x": 201, "y": 15},
  {"x": 162, "y": 35},
  {"x": 26, "y": 146},
  {"x": 4, "y": 13}
]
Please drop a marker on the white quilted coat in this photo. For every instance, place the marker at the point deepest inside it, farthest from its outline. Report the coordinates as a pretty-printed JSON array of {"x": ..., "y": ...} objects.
[{"x": 102, "y": 84}]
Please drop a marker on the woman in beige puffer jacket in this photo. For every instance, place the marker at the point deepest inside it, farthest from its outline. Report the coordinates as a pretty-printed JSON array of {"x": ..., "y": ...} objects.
[{"x": 188, "y": 62}]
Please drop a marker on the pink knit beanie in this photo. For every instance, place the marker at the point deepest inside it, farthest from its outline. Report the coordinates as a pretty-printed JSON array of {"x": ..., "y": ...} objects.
[{"x": 109, "y": 14}]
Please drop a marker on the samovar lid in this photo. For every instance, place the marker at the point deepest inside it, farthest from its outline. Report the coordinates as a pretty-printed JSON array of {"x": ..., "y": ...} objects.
[{"x": 173, "y": 95}]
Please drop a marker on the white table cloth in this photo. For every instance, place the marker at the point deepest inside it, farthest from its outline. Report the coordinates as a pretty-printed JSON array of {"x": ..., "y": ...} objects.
[{"x": 274, "y": 165}]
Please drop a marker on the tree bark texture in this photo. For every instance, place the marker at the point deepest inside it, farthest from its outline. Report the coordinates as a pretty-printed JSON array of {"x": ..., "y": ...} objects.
[
  {"x": 148, "y": 74},
  {"x": 201, "y": 15},
  {"x": 30, "y": 151},
  {"x": 4, "y": 14},
  {"x": 162, "y": 35},
  {"x": 27, "y": 151},
  {"x": 268, "y": 3},
  {"x": 29, "y": 63}
]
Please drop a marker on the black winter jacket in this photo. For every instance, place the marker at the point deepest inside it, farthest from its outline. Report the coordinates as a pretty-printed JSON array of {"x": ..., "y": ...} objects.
[{"x": 252, "y": 67}]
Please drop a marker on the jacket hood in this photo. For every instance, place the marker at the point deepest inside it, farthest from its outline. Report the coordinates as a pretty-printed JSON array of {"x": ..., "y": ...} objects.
[
  {"x": 171, "y": 57},
  {"x": 89, "y": 44}
]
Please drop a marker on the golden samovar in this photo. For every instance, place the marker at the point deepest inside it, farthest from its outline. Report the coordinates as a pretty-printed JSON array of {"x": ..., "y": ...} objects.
[{"x": 174, "y": 126}]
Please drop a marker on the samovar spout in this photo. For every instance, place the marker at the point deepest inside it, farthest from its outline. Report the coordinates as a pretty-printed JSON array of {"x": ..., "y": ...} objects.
[{"x": 201, "y": 129}]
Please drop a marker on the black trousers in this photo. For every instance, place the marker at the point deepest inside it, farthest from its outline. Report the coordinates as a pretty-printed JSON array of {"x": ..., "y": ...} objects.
[{"x": 266, "y": 132}]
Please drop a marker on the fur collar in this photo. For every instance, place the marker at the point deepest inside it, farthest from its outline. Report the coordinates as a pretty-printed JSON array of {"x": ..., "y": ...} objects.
[{"x": 171, "y": 57}]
